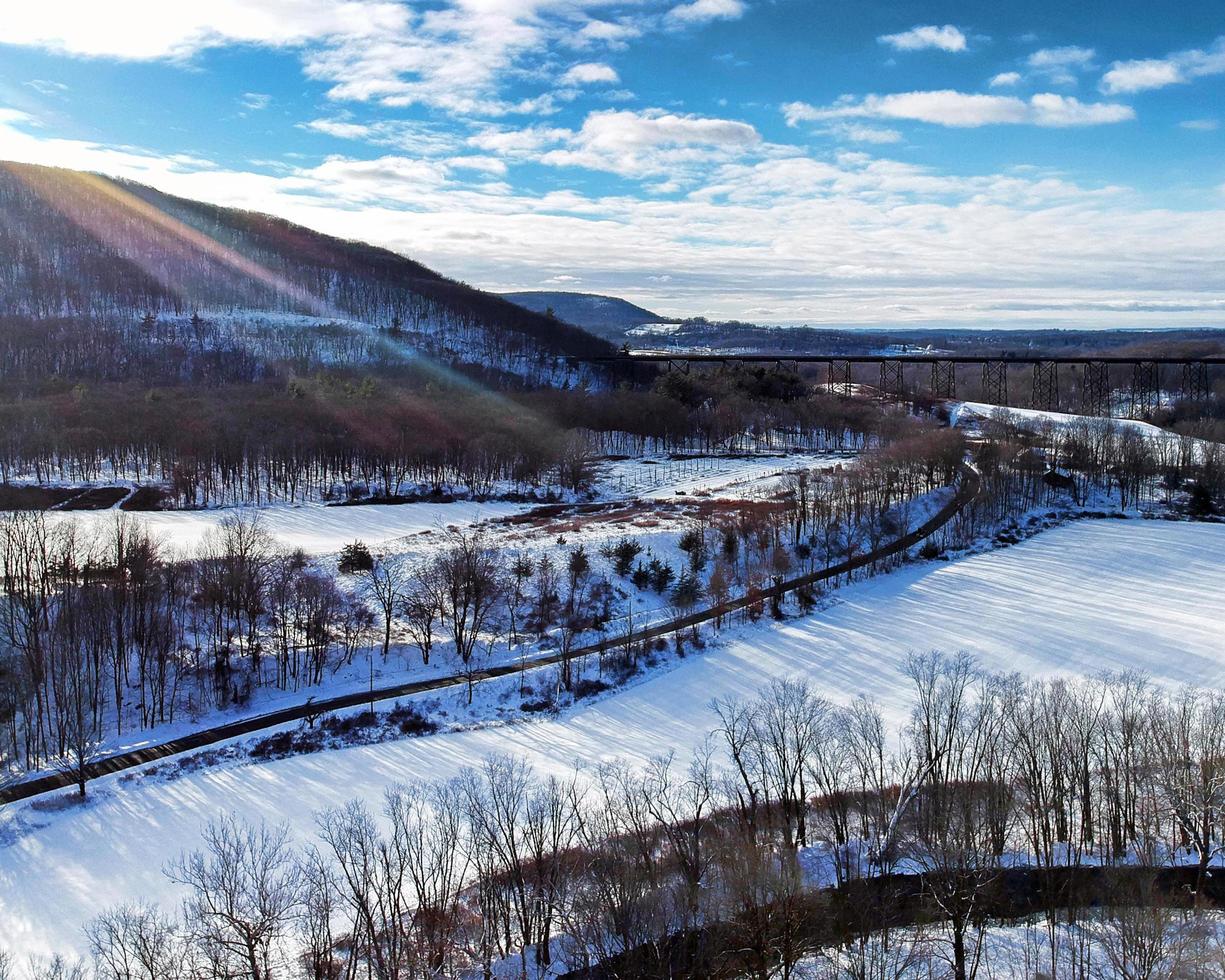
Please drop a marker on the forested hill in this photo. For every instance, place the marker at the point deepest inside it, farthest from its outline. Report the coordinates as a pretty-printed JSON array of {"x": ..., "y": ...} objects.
[
  {"x": 74, "y": 244},
  {"x": 608, "y": 316}
]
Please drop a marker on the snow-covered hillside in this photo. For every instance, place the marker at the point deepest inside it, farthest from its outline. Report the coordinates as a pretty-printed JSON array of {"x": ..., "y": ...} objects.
[
  {"x": 970, "y": 415},
  {"x": 1056, "y": 603}
]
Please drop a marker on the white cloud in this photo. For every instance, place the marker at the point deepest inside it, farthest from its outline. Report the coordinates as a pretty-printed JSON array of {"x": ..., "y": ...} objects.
[
  {"x": 857, "y": 239},
  {"x": 637, "y": 144},
  {"x": 946, "y": 38},
  {"x": 255, "y": 101},
  {"x": 613, "y": 34},
  {"x": 1200, "y": 125},
  {"x": 1152, "y": 73},
  {"x": 517, "y": 143},
  {"x": 859, "y": 133},
  {"x": 454, "y": 55},
  {"x": 702, "y": 11},
  {"x": 340, "y": 128},
  {"x": 1005, "y": 79},
  {"x": 45, "y": 86},
  {"x": 483, "y": 164},
  {"x": 418, "y": 138},
  {"x": 1059, "y": 65},
  {"x": 964, "y": 109},
  {"x": 150, "y": 29},
  {"x": 590, "y": 72}
]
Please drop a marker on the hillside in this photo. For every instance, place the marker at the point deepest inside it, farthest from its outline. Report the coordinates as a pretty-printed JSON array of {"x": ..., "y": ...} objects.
[
  {"x": 605, "y": 315},
  {"x": 76, "y": 245}
]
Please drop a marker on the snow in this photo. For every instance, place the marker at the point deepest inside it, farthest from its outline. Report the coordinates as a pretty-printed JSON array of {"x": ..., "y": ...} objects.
[
  {"x": 969, "y": 414},
  {"x": 1083, "y": 598},
  {"x": 316, "y": 529},
  {"x": 411, "y": 529},
  {"x": 747, "y": 476}
]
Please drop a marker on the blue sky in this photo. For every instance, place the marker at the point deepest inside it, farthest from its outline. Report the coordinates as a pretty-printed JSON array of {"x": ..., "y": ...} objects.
[{"x": 781, "y": 160}]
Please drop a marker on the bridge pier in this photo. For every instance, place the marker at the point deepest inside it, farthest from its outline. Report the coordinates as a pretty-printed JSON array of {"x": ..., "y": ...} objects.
[
  {"x": 840, "y": 378},
  {"x": 893, "y": 378},
  {"x": 1145, "y": 389},
  {"x": 1095, "y": 388},
  {"x": 944, "y": 379},
  {"x": 1045, "y": 392},
  {"x": 995, "y": 382},
  {"x": 1194, "y": 382}
]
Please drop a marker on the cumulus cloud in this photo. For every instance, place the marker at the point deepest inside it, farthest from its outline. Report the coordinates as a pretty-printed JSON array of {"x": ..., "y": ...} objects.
[
  {"x": 1200, "y": 125},
  {"x": 421, "y": 139},
  {"x": 1125, "y": 77},
  {"x": 151, "y": 29},
  {"x": 1060, "y": 65},
  {"x": 1005, "y": 79},
  {"x": 947, "y": 107},
  {"x": 702, "y": 11},
  {"x": 856, "y": 239},
  {"x": 946, "y": 38},
  {"x": 638, "y": 144},
  {"x": 455, "y": 55},
  {"x": 613, "y": 34},
  {"x": 859, "y": 133},
  {"x": 590, "y": 72},
  {"x": 255, "y": 101}
]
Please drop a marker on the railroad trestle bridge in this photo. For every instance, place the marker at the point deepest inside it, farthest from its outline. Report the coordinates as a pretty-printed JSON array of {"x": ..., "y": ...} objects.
[{"x": 1093, "y": 385}]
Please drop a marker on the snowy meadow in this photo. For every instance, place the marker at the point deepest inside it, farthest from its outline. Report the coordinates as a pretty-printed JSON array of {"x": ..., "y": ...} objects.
[{"x": 1057, "y": 601}]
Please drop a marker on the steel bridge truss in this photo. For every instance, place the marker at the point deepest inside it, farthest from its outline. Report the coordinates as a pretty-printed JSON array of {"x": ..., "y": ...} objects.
[
  {"x": 944, "y": 379},
  {"x": 1195, "y": 387},
  {"x": 1044, "y": 394},
  {"x": 1095, "y": 388},
  {"x": 1096, "y": 391},
  {"x": 840, "y": 382},
  {"x": 995, "y": 382},
  {"x": 892, "y": 379},
  {"x": 1145, "y": 389}
]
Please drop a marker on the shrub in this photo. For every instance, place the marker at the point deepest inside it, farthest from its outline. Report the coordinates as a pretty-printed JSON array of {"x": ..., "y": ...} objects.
[
  {"x": 623, "y": 555},
  {"x": 588, "y": 686},
  {"x": 930, "y": 550},
  {"x": 354, "y": 558}
]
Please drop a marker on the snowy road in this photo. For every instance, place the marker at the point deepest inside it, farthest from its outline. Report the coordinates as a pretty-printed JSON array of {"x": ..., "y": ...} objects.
[{"x": 1084, "y": 598}]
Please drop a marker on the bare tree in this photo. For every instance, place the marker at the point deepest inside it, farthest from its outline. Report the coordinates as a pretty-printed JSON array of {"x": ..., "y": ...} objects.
[
  {"x": 137, "y": 942},
  {"x": 384, "y": 586},
  {"x": 245, "y": 893},
  {"x": 471, "y": 587}
]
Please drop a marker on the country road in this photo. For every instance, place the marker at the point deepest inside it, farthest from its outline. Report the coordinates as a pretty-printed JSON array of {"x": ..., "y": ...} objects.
[{"x": 967, "y": 488}]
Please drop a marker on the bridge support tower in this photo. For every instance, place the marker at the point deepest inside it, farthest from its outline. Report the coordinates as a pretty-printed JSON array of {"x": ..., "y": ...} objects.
[
  {"x": 1045, "y": 392},
  {"x": 1145, "y": 389},
  {"x": 893, "y": 379},
  {"x": 1194, "y": 382},
  {"x": 995, "y": 382},
  {"x": 840, "y": 378},
  {"x": 1095, "y": 388},
  {"x": 944, "y": 379}
]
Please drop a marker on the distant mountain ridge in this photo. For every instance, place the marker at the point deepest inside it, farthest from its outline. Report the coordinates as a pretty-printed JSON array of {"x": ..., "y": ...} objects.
[
  {"x": 76, "y": 244},
  {"x": 608, "y": 316}
]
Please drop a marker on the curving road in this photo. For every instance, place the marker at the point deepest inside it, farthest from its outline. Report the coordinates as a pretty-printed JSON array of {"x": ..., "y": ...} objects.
[{"x": 967, "y": 488}]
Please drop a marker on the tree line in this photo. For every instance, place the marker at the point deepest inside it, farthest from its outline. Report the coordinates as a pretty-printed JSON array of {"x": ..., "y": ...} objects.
[
  {"x": 103, "y": 634},
  {"x": 756, "y": 850}
]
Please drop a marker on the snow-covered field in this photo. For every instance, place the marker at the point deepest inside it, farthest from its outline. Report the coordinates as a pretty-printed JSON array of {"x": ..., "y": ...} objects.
[
  {"x": 316, "y": 529},
  {"x": 747, "y": 476},
  {"x": 412, "y": 529},
  {"x": 322, "y": 530},
  {"x": 968, "y": 415},
  {"x": 1084, "y": 598}
]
